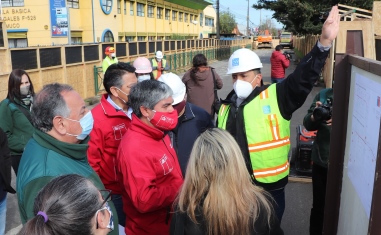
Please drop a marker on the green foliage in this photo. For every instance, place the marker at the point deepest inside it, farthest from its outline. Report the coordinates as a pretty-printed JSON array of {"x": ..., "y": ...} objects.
[
  {"x": 227, "y": 22},
  {"x": 301, "y": 16},
  {"x": 177, "y": 37}
]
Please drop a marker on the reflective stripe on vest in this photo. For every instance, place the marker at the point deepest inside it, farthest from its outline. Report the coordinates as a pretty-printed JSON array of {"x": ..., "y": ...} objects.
[
  {"x": 154, "y": 64},
  {"x": 267, "y": 134}
]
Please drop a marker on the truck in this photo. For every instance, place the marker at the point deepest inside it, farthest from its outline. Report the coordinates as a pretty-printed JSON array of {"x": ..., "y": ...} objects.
[
  {"x": 265, "y": 39},
  {"x": 286, "y": 40}
]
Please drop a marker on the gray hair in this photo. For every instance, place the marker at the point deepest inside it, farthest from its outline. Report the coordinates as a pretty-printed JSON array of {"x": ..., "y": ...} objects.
[
  {"x": 70, "y": 203},
  {"x": 49, "y": 103},
  {"x": 147, "y": 93}
]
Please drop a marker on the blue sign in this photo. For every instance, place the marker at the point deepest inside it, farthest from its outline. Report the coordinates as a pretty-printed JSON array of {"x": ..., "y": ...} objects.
[{"x": 59, "y": 24}]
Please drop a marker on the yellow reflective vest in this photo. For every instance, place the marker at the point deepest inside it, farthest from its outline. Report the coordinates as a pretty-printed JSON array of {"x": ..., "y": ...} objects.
[
  {"x": 267, "y": 134},
  {"x": 154, "y": 64}
]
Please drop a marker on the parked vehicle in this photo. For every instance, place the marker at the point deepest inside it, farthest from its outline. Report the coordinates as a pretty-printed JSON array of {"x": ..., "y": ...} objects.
[
  {"x": 265, "y": 39},
  {"x": 286, "y": 40}
]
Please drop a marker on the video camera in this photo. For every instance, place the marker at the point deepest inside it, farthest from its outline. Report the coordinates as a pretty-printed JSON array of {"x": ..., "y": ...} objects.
[
  {"x": 324, "y": 112},
  {"x": 287, "y": 54}
]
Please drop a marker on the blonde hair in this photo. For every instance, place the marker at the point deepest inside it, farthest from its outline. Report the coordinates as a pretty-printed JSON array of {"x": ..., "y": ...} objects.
[{"x": 217, "y": 182}]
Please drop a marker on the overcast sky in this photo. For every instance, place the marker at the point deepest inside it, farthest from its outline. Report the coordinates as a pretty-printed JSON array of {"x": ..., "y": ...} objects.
[{"x": 239, "y": 9}]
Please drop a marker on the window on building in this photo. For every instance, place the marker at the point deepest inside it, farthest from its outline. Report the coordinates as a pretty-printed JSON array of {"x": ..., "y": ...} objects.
[
  {"x": 190, "y": 18},
  {"x": 159, "y": 38},
  {"x": 76, "y": 40},
  {"x": 118, "y": 3},
  {"x": 201, "y": 19},
  {"x": 139, "y": 9},
  {"x": 167, "y": 37},
  {"x": 174, "y": 15},
  {"x": 1, "y": 36},
  {"x": 141, "y": 38},
  {"x": 167, "y": 11},
  {"x": 106, "y": 6},
  {"x": 12, "y": 3},
  {"x": 71, "y": 3},
  {"x": 150, "y": 11},
  {"x": 151, "y": 38},
  {"x": 131, "y": 8},
  {"x": 130, "y": 38},
  {"x": 108, "y": 37},
  {"x": 17, "y": 42},
  {"x": 209, "y": 21},
  {"x": 186, "y": 17},
  {"x": 125, "y": 7},
  {"x": 159, "y": 13},
  {"x": 181, "y": 16}
]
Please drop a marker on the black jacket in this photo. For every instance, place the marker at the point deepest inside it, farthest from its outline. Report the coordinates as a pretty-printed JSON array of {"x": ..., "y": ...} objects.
[
  {"x": 181, "y": 224},
  {"x": 5, "y": 166},
  {"x": 291, "y": 94},
  {"x": 192, "y": 123}
]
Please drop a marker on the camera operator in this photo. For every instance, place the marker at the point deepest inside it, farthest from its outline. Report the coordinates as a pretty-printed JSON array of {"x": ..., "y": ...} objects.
[
  {"x": 319, "y": 117},
  {"x": 279, "y": 63}
]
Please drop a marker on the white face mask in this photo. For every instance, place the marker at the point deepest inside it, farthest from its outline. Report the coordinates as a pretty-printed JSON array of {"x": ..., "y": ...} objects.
[
  {"x": 113, "y": 55},
  {"x": 158, "y": 60},
  {"x": 144, "y": 77},
  {"x": 243, "y": 89}
]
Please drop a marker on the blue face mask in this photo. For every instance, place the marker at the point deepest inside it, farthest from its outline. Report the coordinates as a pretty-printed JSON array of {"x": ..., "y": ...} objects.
[{"x": 86, "y": 123}]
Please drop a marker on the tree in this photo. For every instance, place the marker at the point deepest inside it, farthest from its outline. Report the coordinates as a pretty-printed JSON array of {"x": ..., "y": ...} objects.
[
  {"x": 227, "y": 22},
  {"x": 303, "y": 16}
]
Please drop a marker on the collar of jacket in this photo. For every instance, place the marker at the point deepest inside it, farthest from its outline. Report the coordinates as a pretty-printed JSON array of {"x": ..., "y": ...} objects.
[
  {"x": 188, "y": 113},
  {"x": 232, "y": 97},
  {"x": 75, "y": 151},
  {"x": 140, "y": 127},
  {"x": 110, "y": 110}
]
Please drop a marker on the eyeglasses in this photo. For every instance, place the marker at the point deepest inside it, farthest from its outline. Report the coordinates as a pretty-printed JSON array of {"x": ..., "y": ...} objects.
[{"x": 106, "y": 195}]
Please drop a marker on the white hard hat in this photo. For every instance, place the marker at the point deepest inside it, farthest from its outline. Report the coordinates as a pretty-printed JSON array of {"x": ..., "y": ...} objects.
[
  {"x": 177, "y": 86},
  {"x": 159, "y": 54},
  {"x": 243, "y": 60}
]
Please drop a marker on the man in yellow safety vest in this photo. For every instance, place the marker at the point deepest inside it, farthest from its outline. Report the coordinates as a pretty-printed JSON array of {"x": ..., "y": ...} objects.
[
  {"x": 258, "y": 116},
  {"x": 159, "y": 65},
  {"x": 109, "y": 59}
]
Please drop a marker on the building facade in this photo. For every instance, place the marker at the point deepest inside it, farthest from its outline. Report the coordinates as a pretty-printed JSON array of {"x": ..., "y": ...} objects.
[{"x": 58, "y": 22}]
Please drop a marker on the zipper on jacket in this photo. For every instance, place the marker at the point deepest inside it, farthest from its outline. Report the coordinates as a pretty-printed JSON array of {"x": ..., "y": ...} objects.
[{"x": 115, "y": 174}]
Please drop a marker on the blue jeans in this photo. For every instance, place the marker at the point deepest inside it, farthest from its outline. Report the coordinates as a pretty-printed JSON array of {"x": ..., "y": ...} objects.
[
  {"x": 277, "y": 80},
  {"x": 118, "y": 203},
  {"x": 279, "y": 202},
  {"x": 3, "y": 213}
]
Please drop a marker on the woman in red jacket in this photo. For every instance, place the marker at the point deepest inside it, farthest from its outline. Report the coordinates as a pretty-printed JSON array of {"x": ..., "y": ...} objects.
[{"x": 279, "y": 63}]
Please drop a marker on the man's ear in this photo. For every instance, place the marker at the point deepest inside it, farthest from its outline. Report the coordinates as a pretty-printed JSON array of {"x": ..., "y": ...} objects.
[
  {"x": 259, "y": 79},
  {"x": 144, "y": 111},
  {"x": 59, "y": 125},
  {"x": 114, "y": 91}
]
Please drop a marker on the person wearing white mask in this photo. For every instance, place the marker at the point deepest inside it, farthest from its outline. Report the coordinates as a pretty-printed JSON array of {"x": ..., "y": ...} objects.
[
  {"x": 143, "y": 69},
  {"x": 109, "y": 59},
  {"x": 159, "y": 65},
  {"x": 258, "y": 116},
  {"x": 58, "y": 145},
  {"x": 15, "y": 114}
]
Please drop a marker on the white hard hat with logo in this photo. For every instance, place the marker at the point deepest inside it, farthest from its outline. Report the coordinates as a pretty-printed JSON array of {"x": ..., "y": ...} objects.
[
  {"x": 159, "y": 55},
  {"x": 243, "y": 60},
  {"x": 177, "y": 86}
]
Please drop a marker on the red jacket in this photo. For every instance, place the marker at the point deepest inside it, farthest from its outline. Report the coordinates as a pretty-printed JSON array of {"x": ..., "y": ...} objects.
[
  {"x": 151, "y": 177},
  {"x": 278, "y": 64},
  {"x": 109, "y": 127}
]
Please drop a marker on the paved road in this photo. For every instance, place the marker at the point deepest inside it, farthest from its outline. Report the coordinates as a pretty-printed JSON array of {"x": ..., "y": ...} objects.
[{"x": 298, "y": 193}]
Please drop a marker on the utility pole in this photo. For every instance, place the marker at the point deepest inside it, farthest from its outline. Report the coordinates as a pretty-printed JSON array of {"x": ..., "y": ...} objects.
[
  {"x": 218, "y": 19},
  {"x": 247, "y": 20}
]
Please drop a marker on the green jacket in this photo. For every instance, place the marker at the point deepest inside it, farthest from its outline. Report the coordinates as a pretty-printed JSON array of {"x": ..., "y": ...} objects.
[
  {"x": 45, "y": 158},
  {"x": 16, "y": 125},
  {"x": 107, "y": 62},
  {"x": 320, "y": 149}
]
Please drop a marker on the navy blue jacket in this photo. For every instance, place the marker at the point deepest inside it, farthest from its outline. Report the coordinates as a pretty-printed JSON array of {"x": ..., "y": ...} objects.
[{"x": 192, "y": 123}]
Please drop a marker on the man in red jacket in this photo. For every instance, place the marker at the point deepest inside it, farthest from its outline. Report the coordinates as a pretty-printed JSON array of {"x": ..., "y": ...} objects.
[
  {"x": 148, "y": 167},
  {"x": 279, "y": 63},
  {"x": 112, "y": 118}
]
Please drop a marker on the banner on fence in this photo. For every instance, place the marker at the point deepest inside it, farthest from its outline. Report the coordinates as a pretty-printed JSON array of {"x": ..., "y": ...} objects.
[{"x": 58, "y": 18}]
